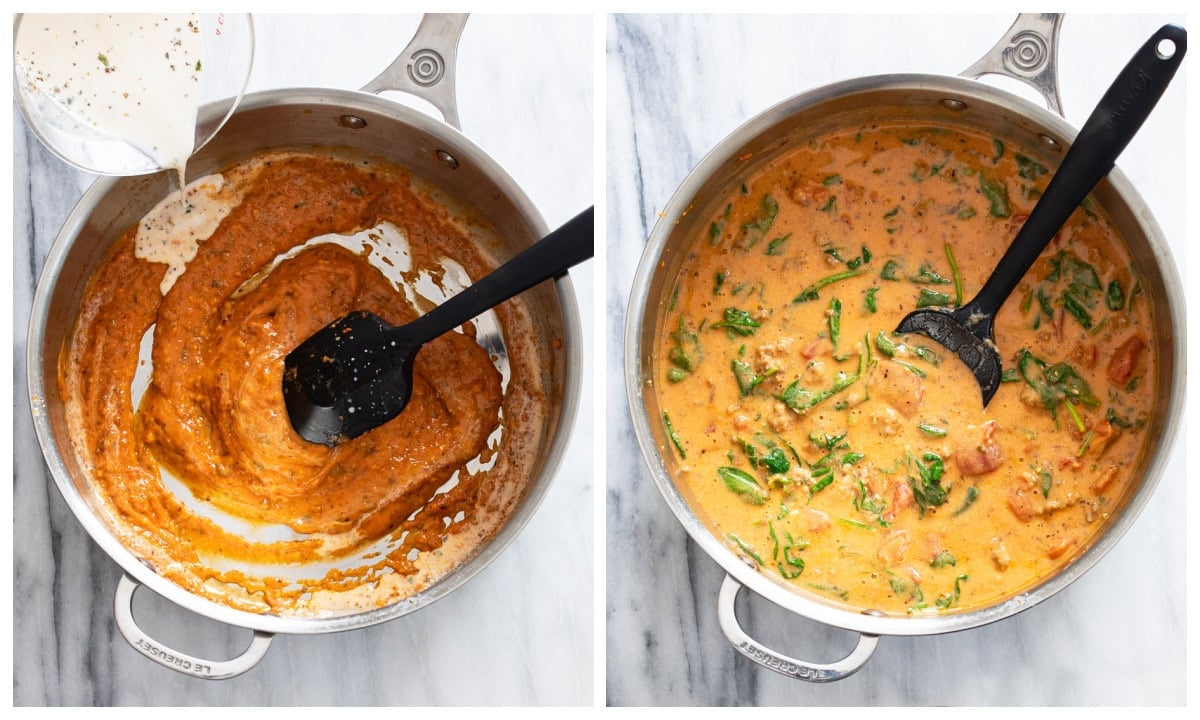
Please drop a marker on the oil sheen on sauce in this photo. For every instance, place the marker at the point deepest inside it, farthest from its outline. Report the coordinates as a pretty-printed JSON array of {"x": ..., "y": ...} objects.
[
  {"x": 859, "y": 465},
  {"x": 134, "y": 77},
  {"x": 203, "y": 477}
]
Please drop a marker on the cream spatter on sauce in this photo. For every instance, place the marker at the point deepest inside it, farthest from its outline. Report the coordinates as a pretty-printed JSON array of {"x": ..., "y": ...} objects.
[
  {"x": 134, "y": 77},
  {"x": 172, "y": 232}
]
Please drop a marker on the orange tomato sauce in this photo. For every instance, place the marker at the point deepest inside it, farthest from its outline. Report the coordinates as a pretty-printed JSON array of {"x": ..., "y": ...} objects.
[
  {"x": 388, "y": 512},
  {"x": 858, "y": 464}
]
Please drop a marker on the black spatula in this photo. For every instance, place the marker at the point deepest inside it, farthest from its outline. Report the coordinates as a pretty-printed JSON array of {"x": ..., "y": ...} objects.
[
  {"x": 968, "y": 331},
  {"x": 356, "y": 373}
]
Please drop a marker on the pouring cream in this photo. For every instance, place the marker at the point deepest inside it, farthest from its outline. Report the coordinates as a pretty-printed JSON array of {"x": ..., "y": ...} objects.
[{"x": 130, "y": 77}]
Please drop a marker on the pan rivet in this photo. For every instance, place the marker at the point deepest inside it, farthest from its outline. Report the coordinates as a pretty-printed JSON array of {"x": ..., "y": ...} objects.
[
  {"x": 352, "y": 121},
  {"x": 953, "y": 104},
  {"x": 1050, "y": 143},
  {"x": 446, "y": 159}
]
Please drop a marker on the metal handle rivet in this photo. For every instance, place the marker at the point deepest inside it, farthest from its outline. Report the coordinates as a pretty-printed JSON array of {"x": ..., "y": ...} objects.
[
  {"x": 1050, "y": 143},
  {"x": 353, "y": 122},
  {"x": 446, "y": 159},
  {"x": 952, "y": 104}
]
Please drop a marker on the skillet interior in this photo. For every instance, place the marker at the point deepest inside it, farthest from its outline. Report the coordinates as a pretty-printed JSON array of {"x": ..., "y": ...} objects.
[{"x": 920, "y": 99}]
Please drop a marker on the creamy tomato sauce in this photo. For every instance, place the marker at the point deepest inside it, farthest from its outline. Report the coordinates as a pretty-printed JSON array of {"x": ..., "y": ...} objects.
[
  {"x": 858, "y": 464},
  {"x": 264, "y": 520}
]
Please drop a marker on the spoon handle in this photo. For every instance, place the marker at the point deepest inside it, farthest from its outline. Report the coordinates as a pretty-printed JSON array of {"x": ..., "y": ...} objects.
[
  {"x": 1114, "y": 122},
  {"x": 567, "y": 246}
]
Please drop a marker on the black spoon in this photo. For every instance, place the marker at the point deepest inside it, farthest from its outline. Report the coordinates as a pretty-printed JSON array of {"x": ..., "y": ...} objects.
[
  {"x": 968, "y": 331},
  {"x": 356, "y": 373}
]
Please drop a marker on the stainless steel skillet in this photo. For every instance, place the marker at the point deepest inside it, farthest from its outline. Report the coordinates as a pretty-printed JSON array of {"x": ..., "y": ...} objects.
[
  {"x": 1027, "y": 52},
  {"x": 362, "y": 123}
]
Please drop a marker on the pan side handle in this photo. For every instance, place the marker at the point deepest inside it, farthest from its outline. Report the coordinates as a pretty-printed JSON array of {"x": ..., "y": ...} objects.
[
  {"x": 426, "y": 67},
  {"x": 1028, "y": 52},
  {"x": 777, "y": 661},
  {"x": 173, "y": 659}
]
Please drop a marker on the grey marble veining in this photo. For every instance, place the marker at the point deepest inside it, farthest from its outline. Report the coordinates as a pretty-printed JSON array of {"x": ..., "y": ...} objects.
[
  {"x": 521, "y": 632},
  {"x": 678, "y": 84}
]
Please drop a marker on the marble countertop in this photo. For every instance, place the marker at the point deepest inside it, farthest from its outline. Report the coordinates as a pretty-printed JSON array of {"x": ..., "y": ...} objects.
[
  {"x": 521, "y": 632},
  {"x": 677, "y": 85}
]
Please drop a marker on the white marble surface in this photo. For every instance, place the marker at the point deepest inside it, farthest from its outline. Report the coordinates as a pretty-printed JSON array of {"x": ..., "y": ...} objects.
[
  {"x": 521, "y": 632},
  {"x": 676, "y": 85}
]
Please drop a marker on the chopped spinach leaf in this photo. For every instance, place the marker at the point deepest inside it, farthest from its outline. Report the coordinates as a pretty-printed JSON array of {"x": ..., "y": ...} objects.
[
  {"x": 925, "y": 353},
  {"x": 1045, "y": 481},
  {"x": 737, "y": 322},
  {"x": 854, "y": 263},
  {"x": 811, "y": 292},
  {"x": 870, "y": 504},
  {"x": 717, "y": 228},
  {"x": 1077, "y": 310},
  {"x": 834, "y": 315},
  {"x": 831, "y": 589},
  {"x": 1115, "y": 297},
  {"x": 775, "y": 461},
  {"x": 943, "y": 559},
  {"x": 800, "y": 400},
  {"x": 972, "y": 495},
  {"x": 746, "y": 379},
  {"x": 744, "y": 484},
  {"x": 794, "y": 563},
  {"x": 933, "y": 298},
  {"x": 823, "y": 469},
  {"x": 958, "y": 284},
  {"x": 885, "y": 345},
  {"x": 775, "y": 247},
  {"x": 911, "y": 368},
  {"x": 927, "y": 486},
  {"x": 1118, "y": 421},
  {"x": 945, "y": 601},
  {"x": 749, "y": 550},
  {"x": 771, "y": 457},
  {"x": 686, "y": 353},
  {"x": 927, "y": 275},
  {"x": 932, "y": 430},
  {"x": 996, "y": 193},
  {"x": 899, "y": 587},
  {"x": 753, "y": 232},
  {"x": 674, "y": 437},
  {"x": 1029, "y": 168},
  {"x": 1055, "y": 384}
]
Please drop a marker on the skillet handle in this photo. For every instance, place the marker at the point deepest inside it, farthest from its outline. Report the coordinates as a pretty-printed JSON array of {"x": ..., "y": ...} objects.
[
  {"x": 1028, "y": 52},
  {"x": 173, "y": 659},
  {"x": 777, "y": 661},
  {"x": 426, "y": 67}
]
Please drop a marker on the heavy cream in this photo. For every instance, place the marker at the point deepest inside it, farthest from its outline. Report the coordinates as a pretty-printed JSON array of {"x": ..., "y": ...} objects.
[
  {"x": 132, "y": 77},
  {"x": 172, "y": 232}
]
